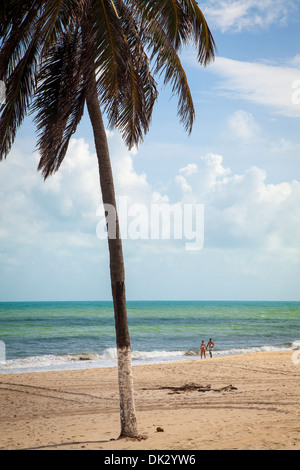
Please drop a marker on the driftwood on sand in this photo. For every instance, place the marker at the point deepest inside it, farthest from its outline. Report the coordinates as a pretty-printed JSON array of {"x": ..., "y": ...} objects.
[{"x": 199, "y": 388}]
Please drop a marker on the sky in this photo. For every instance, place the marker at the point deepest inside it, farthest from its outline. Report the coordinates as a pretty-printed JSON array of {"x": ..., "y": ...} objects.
[{"x": 239, "y": 167}]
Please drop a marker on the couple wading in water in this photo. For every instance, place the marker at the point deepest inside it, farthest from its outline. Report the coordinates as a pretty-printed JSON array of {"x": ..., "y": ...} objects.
[{"x": 203, "y": 348}]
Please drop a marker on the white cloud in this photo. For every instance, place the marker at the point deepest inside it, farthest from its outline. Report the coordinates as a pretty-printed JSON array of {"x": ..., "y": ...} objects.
[
  {"x": 268, "y": 84},
  {"x": 126, "y": 178},
  {"x": 244, "y": 210},
  {"x": 243, "y": 125},
  {"x": 190, "y": 169},
  {"x": 238, "y": 15},
  {"x": 49, "y": 229},
  {"x": 184, "y": 186},
  {"x": 157, "y": 198},
  {"x": 60, "y": 210},
  {"x": 211, "y": 171},
  {"x": 239, "y": 208},
  {"x": 181, "y": 181}
]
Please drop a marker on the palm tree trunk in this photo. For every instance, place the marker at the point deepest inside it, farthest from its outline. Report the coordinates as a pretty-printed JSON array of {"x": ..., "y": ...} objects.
[{"x": 117, "y": 272}]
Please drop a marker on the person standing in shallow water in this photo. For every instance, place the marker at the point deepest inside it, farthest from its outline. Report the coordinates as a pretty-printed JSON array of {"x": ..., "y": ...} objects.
[
  {"x": 210, "y": 346},
  {"x": 203, "y": 350}
]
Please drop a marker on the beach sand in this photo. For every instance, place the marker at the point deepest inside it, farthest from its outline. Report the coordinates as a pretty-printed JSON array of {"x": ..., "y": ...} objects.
[{"x": 80, "y": 410}]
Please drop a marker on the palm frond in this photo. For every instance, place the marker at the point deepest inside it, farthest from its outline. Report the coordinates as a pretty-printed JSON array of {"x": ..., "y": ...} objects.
[
  {"x": 59, "y": 102},
  {"x": 50, "y": 49},
  {"x": 200, "y": 34},
  {"x": 168, "y": 13},
  {"x": 138, "y": 91},
  {"x": 164, "y": 40},
  {"x": 20, "y": 87},
  {"x": 110, "y": 57},
  {"x": 167, "y": 63},
  {"x": 11, "y": 13},
  {"x": 17, "y": 33},
  {"x": 181, "y": 20},
  {"x": 126, "y": 88},
  {"x": 23, "y": 32},
  {"x": 56, "y": 17}
]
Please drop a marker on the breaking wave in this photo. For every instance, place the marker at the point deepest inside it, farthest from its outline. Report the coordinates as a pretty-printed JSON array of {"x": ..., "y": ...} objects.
[{"x": 108, "y": 358}]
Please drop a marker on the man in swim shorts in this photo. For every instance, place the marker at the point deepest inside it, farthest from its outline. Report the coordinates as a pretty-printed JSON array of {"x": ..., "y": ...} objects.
[{"x": 210, "y": 346}]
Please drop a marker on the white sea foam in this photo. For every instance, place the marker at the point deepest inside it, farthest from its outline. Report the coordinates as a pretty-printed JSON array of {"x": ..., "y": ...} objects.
[{"x": 109, "y": 358}]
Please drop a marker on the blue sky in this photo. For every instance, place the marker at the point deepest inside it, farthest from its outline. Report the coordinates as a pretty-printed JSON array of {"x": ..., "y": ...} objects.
[{"x": 241, "y": 163}]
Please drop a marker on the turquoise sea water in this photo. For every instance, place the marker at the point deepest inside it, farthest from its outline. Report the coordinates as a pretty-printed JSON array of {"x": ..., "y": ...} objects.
[{"x": 63, "y": 335}]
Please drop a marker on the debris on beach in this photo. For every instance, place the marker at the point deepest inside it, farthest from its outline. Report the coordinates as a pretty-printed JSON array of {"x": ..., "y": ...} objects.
[{"x": 199, "y": 388}]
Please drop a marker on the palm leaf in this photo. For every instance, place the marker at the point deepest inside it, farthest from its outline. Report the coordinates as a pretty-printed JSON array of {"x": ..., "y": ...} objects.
[
  {"x": 23, "y": 32},
  {"x": 201, "y": 33},
  {"x": 20, "y": 87},
  {"x": 110, "y": 57},
  {"x": 157, "y": 22},
  {"x": 11, "y": 13},
  {"x": 57, "y": 16},
  {"x": 138, "y": 87},
  {"x": 59, "y": 101},
  {"x": 61, "y": 44},
  {"x": 168, "y": 64},
  {"x": 126, "y": 88}
]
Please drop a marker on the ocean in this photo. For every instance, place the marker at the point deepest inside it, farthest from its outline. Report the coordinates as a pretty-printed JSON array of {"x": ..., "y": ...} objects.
[{"x": 40, "y": 336}]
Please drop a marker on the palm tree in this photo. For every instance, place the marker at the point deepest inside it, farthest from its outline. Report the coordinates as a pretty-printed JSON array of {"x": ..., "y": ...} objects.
[{"x": 58, "y": 56}]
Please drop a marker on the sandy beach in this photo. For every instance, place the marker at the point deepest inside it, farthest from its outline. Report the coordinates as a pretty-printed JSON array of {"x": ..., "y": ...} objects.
[{"x": 79, "y": 409}]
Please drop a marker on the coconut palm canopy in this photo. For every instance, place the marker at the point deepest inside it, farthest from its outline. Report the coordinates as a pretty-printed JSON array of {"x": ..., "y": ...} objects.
[{"x": 50, "y": 49}]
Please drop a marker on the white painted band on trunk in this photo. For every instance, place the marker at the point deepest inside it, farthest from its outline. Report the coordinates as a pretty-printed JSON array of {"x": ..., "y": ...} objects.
[{"x": 127, "y": 406}]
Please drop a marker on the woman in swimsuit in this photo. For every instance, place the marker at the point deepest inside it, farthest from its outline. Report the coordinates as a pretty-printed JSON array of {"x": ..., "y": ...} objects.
[{"x": 203, "y": 350}]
